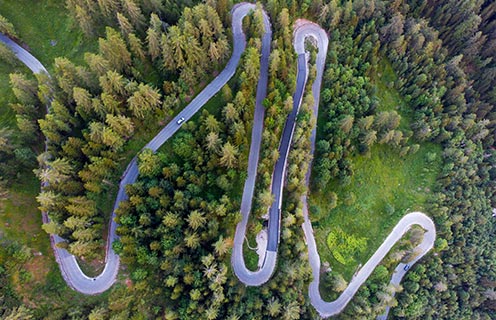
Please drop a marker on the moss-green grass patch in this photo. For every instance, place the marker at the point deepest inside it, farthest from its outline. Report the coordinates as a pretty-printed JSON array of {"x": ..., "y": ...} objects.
[
  {"x": 344, "y": 246},
  {"x": 389, "y": 98},
  {"x": 47, "y": 30},
  {"x": 20, "y": 221}
]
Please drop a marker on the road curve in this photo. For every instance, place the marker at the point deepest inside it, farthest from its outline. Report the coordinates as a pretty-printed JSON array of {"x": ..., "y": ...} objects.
[
  {"x": 27, "y": 58},
  {"x": 70, "y": 270},
  {"x": 69, "y": 267},
  {"x": 400, "y": 272},
  {"x": 328, "y": 309},
  {"x": 303, "y": 30},
  {"x": 263, "y": 274},
  {"x": 246, "y": 276}
]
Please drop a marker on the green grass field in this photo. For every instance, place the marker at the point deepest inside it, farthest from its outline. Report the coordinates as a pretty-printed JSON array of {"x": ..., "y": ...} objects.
[
  {"x": 21, "y": 222},
  {"x": 389, "y": 98},
  {"x": 384, "y": 187},
  {"x": 47, "y": 30},
  {"x": 380, "y": 181}
]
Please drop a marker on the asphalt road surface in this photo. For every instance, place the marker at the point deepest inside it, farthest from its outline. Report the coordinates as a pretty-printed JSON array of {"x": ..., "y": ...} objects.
[
  {"x": 263, "y": 274},
  {"x": 327, "y": 309},
  {"x": 71, "y": 272},
  {"x": 23, "y": 55}
]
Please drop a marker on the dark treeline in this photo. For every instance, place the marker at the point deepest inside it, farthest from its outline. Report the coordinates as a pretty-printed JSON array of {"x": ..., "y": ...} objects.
[
  {"x": 468, "y": 32},
  {"x": 448, "y": 111},
  {"x": 457, "y": 281}
]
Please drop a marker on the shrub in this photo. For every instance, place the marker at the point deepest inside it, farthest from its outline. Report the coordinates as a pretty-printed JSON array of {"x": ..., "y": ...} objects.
[{"x": 344, "y": 246}]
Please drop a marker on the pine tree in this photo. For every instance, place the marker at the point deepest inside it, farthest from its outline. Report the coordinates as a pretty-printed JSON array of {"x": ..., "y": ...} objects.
[
  {"x": 97, "y": 63},
  {"x": 144, "y": 100},
  {"x": 114, "y": 50},
  {"x": 124, "y": 24},
  {"x": 212, "y": 141},
  {"x": 133, "y": 11},
  {"x": 346, "y": 123},
  {"x": 149, "y": 163},
  {"x": 6, "y": 27},
  {"x": 229, "y": 155},
  {"x": 108, "y": 7},
  {"x": 84, "y": 19},
  {"x": 136, "y": 47},
  {"x": 8, "y": 55}
]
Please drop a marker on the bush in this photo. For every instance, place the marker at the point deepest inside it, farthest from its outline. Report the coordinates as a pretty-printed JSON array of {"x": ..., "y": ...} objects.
[
  {"x": 389, "y": 208},
  {"x": 344, "y": 246}
]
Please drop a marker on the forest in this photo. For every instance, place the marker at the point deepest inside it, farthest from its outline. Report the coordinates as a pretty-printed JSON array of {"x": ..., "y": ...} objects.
[{"x": 139, "y": 62}]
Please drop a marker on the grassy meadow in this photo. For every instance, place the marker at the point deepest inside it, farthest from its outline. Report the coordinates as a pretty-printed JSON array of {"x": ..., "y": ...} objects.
[{"x": 383, "y": 188}]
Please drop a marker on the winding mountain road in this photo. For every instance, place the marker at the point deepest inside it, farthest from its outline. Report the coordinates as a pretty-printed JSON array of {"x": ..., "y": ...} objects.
[
  {"x": 71, "y": 272},
  {"x": 248, "y": 277},
  {"x": 304, "y": 29}
]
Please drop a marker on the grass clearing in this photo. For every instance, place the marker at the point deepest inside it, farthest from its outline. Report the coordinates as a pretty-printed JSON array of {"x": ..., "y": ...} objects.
[
  {"x": 21, "y": 221},
  {"x": 95, "y": 267},
  {"x": 36, "y": 23},
  {"x": 389, "y": 98},
  {"x": 47, "y": 30},
  {"x": 384, "y": 187},
  {"x": 250, "y": 256}
]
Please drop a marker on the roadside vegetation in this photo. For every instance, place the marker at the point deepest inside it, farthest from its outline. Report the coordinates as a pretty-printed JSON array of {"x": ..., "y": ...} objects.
[
  {"x": 27, "y": 264},
  {"x": 7, "y": 115},
  {"x": 443, "y": 109}
]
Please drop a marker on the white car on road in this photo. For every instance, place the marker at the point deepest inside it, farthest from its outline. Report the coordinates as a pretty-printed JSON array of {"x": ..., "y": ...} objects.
[{"x": 180, "y": 120}]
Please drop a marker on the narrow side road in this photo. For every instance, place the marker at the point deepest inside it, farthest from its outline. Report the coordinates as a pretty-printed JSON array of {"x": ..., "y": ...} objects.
[{"x": 27, "y": 58}]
